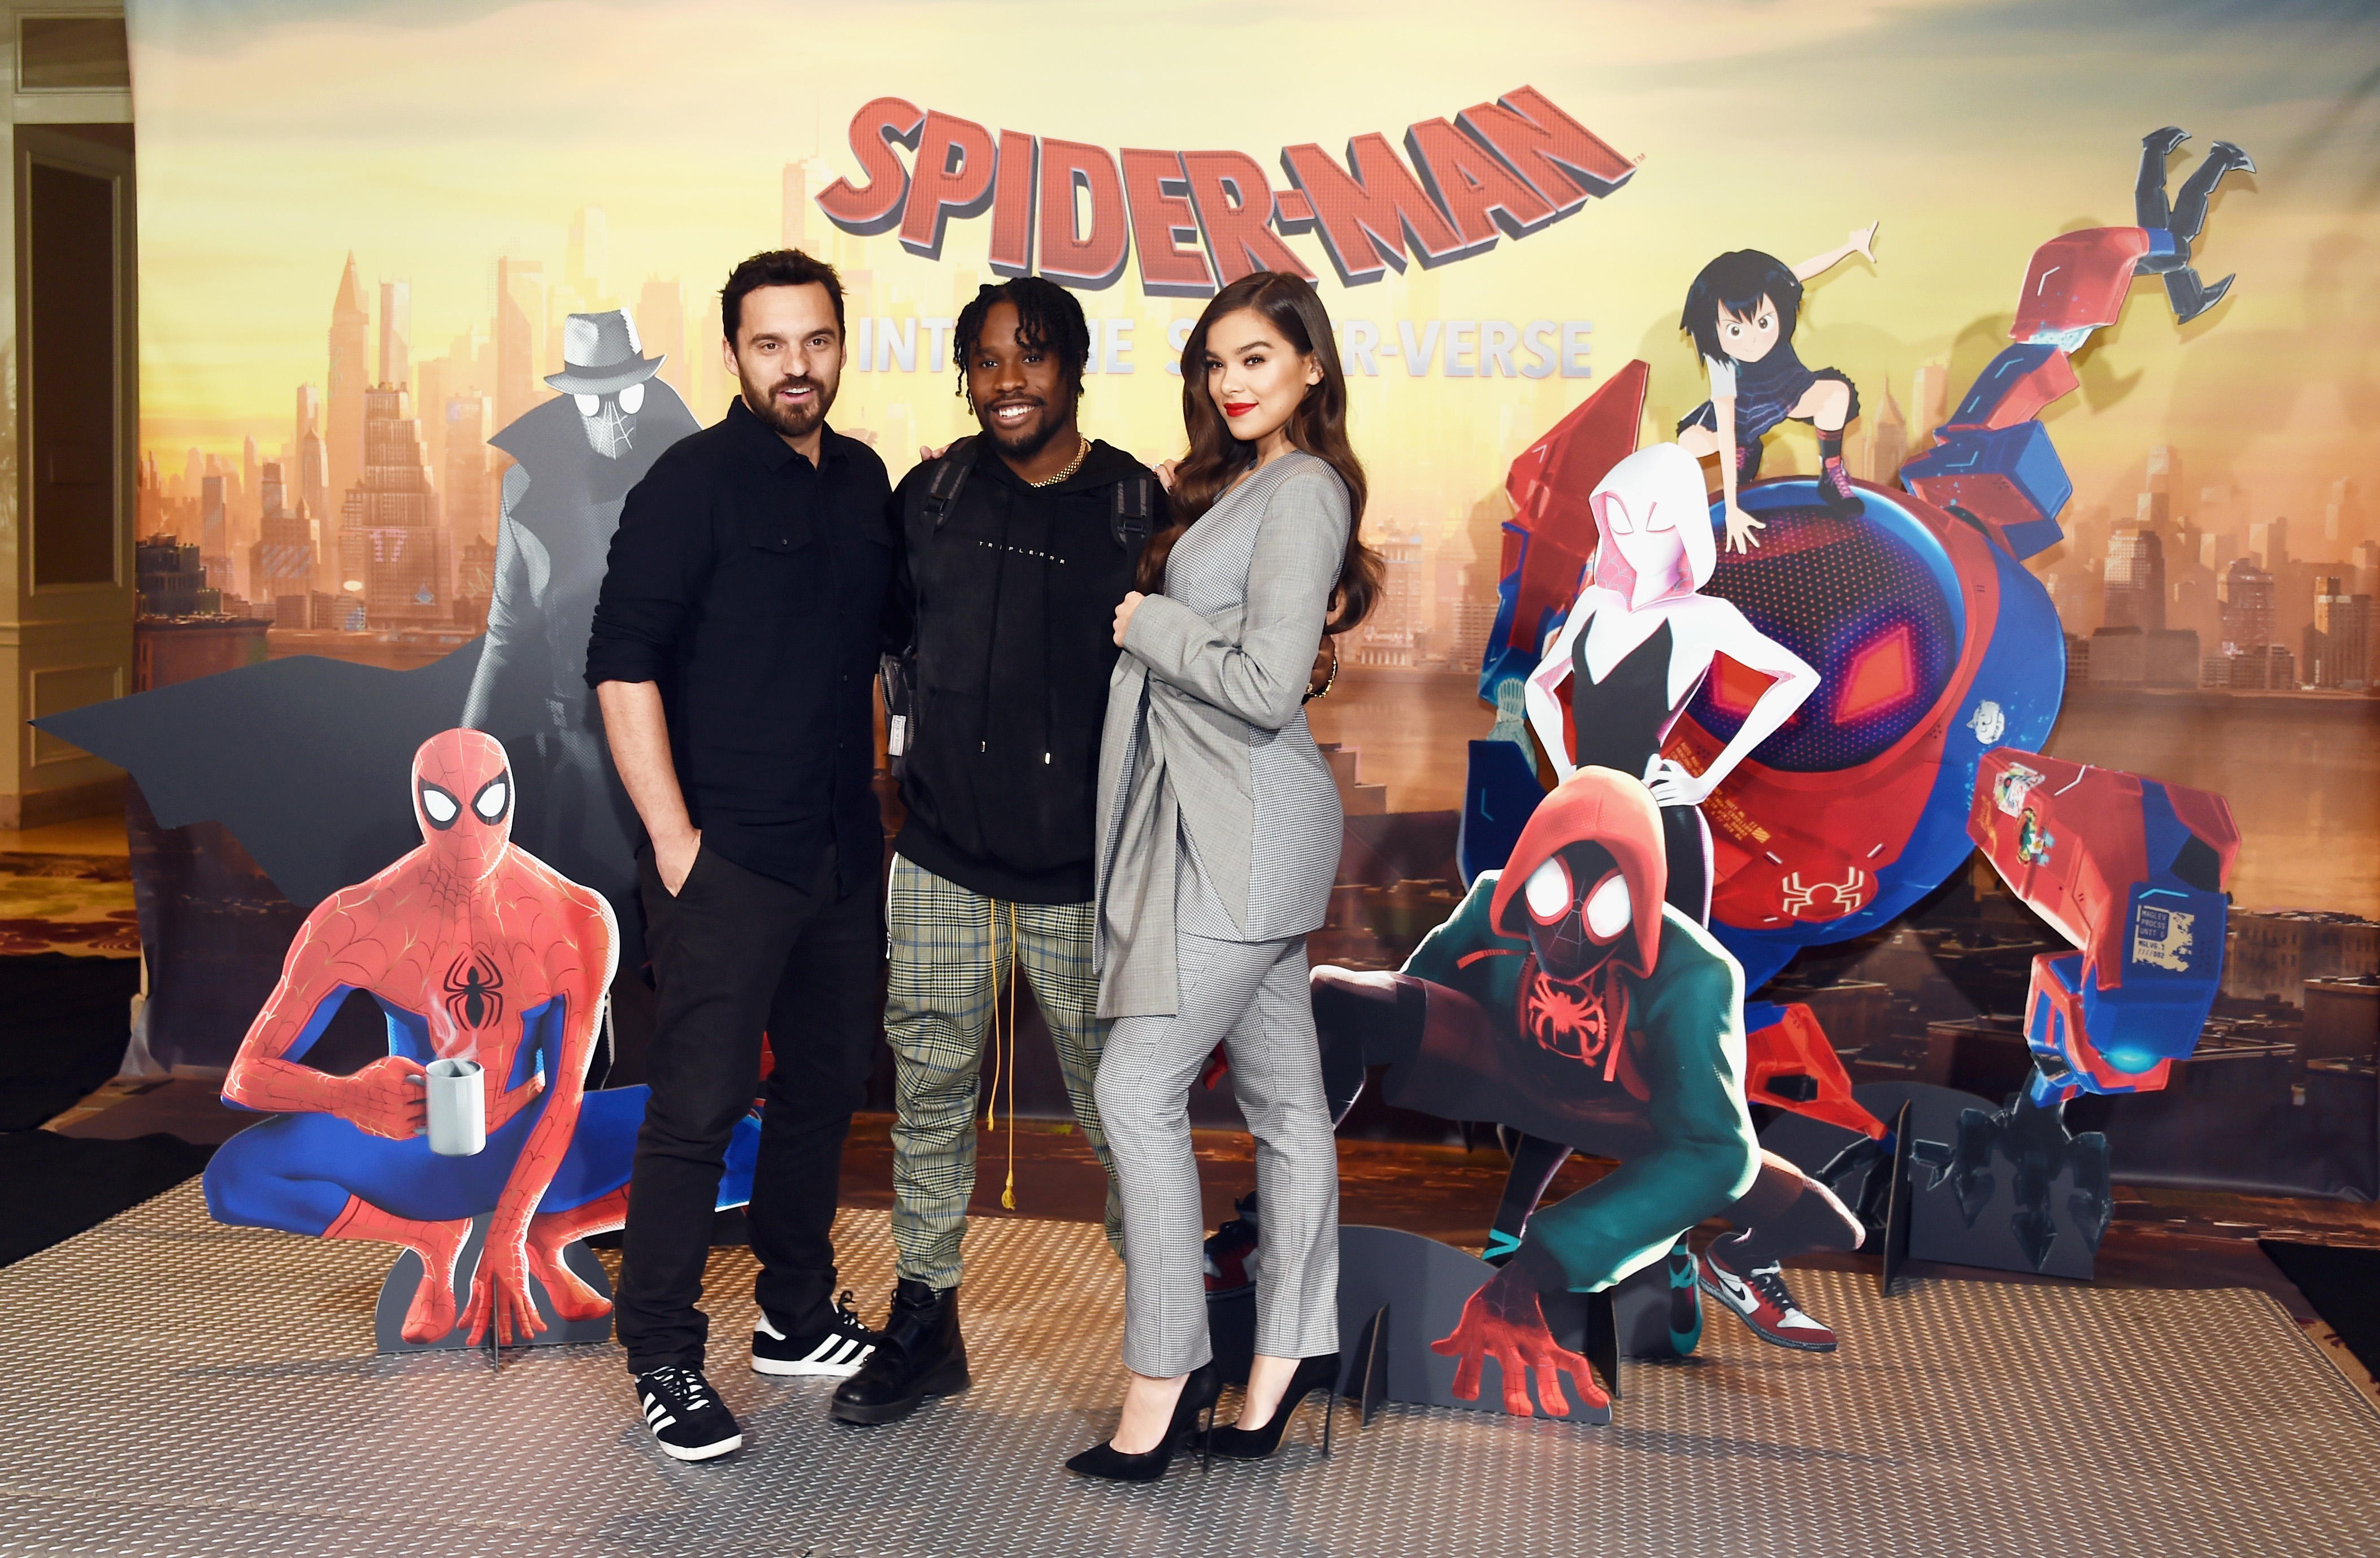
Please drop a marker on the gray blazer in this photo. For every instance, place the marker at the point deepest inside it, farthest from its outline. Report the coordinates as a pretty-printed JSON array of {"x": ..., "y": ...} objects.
[{"x": 1206, "y": 735}]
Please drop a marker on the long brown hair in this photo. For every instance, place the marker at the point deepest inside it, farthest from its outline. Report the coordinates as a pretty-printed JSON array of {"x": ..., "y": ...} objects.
[{"x": 1319, "y": 427}]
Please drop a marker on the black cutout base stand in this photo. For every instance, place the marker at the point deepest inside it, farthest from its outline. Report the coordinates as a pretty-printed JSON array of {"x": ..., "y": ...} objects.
[
  {"x": 397, "y": 1289},
  {"x": 1231, "y": 1332},
  {"x": 1400, "y": 1292},
  {"x": 1365, "y": 1381},
  {"x": 1363, "y": 1372},
  {"x": 1412, "y": 1291},
  {"x": 1900, "y": 1195},
  {"x": 1603, "y": 1338}
]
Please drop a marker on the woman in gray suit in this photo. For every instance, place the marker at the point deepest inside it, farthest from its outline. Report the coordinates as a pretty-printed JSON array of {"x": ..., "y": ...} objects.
[{"x": 1218, "y": 840}]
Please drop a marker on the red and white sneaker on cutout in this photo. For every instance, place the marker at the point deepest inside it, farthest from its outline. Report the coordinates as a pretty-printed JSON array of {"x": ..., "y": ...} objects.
[
  {"x": 1760, "y": 1298},
  {"x": 1233, "y": 1260}
]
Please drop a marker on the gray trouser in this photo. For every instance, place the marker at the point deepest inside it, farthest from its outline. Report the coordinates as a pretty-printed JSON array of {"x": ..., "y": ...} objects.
[{"x": 1252, "y": 997}]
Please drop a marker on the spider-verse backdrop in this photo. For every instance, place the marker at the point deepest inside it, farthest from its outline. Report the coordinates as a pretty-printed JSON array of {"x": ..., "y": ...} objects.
[{"x": 2064, "y": 454}]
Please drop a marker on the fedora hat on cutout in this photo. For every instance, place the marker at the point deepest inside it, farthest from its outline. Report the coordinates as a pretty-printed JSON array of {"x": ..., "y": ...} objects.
[{"x": 602, "y": 354}]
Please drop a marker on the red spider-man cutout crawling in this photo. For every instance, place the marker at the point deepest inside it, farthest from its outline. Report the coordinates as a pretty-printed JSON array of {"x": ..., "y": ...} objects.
[{"x": 475, "y": 950}]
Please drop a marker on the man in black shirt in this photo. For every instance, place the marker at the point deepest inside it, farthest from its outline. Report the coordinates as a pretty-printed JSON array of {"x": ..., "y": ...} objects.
[
  {"x": 733, "y": 651},
  {"x": 1007, "y": 588}
]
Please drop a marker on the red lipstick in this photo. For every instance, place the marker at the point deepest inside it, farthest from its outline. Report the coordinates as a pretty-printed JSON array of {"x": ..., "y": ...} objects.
[{"x": 1238, "y": 407}]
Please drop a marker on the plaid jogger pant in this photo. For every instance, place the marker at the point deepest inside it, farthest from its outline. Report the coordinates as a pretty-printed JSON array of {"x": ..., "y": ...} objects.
[{"x": 949, "y": 955}]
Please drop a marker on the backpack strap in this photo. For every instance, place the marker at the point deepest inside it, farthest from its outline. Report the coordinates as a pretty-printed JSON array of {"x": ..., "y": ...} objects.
[
  {"x": 898, "y": 672},
  {"x": 950, "y": 476},
  {"x": 1133, "y": 514}
]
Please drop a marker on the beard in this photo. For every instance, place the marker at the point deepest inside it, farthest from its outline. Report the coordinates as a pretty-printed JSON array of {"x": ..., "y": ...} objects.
[
  {"x": 1026, "y": 439},
  {"x": 789, "y": 424}
]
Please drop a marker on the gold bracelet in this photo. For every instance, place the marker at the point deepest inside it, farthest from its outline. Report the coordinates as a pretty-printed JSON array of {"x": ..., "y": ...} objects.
[{"x": 1328, "y": 682}]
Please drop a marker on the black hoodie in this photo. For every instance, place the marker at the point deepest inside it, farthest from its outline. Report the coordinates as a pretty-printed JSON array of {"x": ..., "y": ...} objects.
[{"x": 1012, "y": 601}]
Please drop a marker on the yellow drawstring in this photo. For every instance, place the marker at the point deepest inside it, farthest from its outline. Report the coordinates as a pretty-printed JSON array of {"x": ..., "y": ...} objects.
[
  {"x": 991, "y": 1094},
  {"x": 1008, "y": 1191}
]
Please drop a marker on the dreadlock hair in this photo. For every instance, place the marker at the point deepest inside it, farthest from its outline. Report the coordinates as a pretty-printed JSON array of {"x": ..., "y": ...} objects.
[
  {"x": 1048, "y": 319},
  {"x": 1736, "y": 282}
]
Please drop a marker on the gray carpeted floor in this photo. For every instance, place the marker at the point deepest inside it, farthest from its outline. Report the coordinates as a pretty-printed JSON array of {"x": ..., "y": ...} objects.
[{"x": 175, "y": 1387}]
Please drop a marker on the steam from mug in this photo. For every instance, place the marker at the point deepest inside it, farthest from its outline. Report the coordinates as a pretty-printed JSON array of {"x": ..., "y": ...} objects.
[{"x": 458, "y": 1110}]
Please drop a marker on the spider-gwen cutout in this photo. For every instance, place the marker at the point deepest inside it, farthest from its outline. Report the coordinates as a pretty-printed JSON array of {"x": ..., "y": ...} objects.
[
  {"x": 1640, "y": 641},
  {"x": 474, "y": 949}
]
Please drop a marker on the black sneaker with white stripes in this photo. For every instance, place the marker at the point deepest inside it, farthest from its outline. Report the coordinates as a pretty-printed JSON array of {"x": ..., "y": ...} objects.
[
  {"x": 835, "y": 1351},
  {"x": 685, "y": 1414}
]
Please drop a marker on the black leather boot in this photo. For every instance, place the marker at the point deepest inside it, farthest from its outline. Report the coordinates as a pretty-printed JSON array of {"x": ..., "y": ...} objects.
[{"x": 919, "y": 1353}]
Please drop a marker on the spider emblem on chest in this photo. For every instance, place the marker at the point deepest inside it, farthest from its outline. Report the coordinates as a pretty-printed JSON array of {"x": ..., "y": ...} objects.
[{"x": 475, "y": 990}]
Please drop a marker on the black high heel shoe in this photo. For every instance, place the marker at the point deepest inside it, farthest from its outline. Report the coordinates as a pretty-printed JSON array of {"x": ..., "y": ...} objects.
[
  {"x": 1199, "y": 1391},
  {"x": 1256, "y": 1443}
]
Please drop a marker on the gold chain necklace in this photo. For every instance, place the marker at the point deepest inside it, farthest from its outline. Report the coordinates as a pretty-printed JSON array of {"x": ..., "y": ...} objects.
[{"x": 1072, "y": 467}]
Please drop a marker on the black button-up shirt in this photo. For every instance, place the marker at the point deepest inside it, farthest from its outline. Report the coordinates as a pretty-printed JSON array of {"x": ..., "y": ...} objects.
[{"x": 749, "y": 584}]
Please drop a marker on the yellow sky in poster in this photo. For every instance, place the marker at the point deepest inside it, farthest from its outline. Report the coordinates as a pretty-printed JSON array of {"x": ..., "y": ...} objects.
[{"x": 276, "y": 138}]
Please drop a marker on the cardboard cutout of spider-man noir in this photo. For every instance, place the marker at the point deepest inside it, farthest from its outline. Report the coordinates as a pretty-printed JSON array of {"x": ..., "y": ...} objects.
[
  {"x": 481, "y": 955},
  {"x": 291, "y": 755}
]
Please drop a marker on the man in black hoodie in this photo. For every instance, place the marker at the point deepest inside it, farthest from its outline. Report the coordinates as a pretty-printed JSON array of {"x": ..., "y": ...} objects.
[{"x": 1016, "y": 546}]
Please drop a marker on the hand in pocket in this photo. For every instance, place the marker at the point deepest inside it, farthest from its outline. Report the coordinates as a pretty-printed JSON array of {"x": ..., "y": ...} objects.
[{"x": 675, "y": 861}]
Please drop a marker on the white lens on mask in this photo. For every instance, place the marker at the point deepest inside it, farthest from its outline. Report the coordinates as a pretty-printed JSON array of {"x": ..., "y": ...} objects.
[
  {"x": 588, "y": 404},
  {"x": 1548, "y": 890},
  {"x": 440, "y": 805},
  {"x": 1607, "y": 909},
  {"x": 632, "y": 399}
]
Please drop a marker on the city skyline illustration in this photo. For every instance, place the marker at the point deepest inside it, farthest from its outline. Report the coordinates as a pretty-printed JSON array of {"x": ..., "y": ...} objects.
[
  {"x": 487, "y": 375},
  {"x": 270, "y": 151}
]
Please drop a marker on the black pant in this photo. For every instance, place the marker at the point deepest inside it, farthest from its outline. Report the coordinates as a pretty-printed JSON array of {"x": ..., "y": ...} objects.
[{"x": 736, "y": 954}]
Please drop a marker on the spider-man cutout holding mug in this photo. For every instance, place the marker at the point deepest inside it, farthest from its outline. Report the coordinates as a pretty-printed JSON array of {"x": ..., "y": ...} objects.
[{"x": 475, "y": 950}]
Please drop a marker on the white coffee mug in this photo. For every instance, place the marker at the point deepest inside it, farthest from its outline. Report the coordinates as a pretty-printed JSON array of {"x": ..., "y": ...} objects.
[{"x": 458, "y": 1108}]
